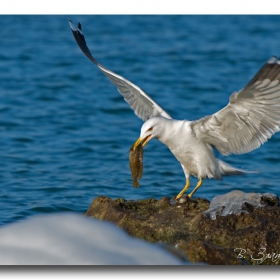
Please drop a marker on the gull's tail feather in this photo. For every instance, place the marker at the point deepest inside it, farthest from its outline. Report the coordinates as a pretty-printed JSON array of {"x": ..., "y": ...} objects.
[{"x": 227, "y": 169}]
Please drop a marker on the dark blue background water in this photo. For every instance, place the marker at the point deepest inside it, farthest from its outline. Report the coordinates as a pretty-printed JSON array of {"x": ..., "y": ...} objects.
[{"x": 65, "y": 131}]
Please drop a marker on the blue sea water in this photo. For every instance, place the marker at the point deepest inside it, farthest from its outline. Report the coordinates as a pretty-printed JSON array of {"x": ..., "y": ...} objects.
[{"x": 65, "y": 131}]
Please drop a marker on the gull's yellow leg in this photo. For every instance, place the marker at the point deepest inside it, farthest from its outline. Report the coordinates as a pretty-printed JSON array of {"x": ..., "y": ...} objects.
[
  {"x": 184, "y": 189},
  {"x": 195, "y": 189}
]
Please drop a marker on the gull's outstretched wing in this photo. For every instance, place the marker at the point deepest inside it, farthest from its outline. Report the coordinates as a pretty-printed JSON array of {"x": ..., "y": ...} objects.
[
  {"x": 251, "y": 117},
  {"x": 140, "y": 102}
]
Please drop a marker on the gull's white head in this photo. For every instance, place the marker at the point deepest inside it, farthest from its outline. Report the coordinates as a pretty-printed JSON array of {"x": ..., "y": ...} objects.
[{"x": 150, "y": 129}]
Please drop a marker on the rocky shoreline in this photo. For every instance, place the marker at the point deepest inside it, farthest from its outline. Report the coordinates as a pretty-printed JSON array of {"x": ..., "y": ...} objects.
[{"x": 249, "y": 237}]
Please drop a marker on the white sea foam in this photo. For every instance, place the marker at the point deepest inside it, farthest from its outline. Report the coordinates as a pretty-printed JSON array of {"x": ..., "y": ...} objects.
[
  {"x": 58, "y": 239},
  {"x": 232, "y": 203}
]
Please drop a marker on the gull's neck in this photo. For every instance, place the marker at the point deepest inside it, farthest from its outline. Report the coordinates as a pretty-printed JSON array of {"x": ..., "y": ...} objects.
[{"x": 168, "y": 129}]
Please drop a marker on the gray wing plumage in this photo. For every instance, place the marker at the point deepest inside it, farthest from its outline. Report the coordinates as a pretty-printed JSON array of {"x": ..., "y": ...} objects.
[
  {"x": 251, "y": 117},
  {"x": 142, "y": 104}
]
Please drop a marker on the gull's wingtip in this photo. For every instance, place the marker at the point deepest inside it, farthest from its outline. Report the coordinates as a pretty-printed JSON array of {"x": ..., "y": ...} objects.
[
  {"x": 80, "y": 39},
  {"x": 74, "y": 29},
  {"x": 71, "y": 25}
]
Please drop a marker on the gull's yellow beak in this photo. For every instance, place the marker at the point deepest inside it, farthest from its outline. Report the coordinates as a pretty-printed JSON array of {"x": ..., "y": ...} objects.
[{"x": 139, "y": 140}]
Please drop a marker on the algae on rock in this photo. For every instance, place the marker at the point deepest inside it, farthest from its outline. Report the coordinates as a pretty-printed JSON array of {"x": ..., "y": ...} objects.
[{"x": 183, "y": 224}]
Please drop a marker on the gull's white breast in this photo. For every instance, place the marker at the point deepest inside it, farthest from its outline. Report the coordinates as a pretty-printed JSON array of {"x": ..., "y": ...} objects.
[{"x": 195, "y": 156}]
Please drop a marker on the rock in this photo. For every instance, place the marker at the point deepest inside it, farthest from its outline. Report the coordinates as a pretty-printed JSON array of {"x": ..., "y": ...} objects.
[
  {"x": 249, "y": 237},
  {"x": 235, "y": 201}
]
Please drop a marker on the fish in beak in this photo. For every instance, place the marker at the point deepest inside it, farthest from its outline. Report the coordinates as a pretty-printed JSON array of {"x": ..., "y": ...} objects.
[{"x": 144, "y": 141}]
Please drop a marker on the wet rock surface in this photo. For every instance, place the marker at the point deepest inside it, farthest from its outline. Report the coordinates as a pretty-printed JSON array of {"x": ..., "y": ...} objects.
[{"x": 247, "y": 238}]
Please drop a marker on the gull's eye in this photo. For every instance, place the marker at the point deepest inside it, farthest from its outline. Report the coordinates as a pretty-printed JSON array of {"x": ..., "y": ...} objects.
[{"x": 150, "y": 129}]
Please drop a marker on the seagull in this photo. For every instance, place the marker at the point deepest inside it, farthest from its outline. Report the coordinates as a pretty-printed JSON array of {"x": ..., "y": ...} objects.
[{"x": 250, "y": 118}]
